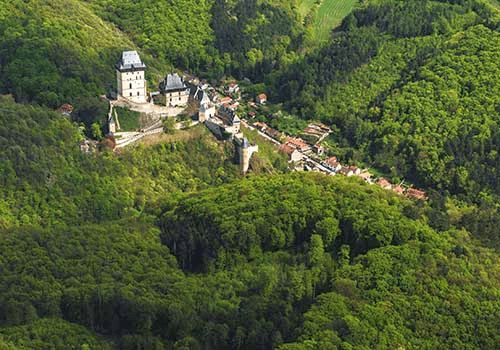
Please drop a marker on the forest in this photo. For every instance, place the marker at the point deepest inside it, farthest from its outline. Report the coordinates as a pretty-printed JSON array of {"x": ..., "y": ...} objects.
[
  {"x": 167, "y": 246},
  {"x": 348, "y": 266},
  {"x": 412, "y": 88}
]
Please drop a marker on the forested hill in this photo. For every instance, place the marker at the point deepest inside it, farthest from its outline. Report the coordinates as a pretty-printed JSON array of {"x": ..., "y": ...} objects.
[
  {"x": 412, "y": 88},
  {"x": 345, "y": 265},
  {"x": 45, "y": 180},
  {"x": 56, "y": 51},
  {"x": 167, "y": 246}
]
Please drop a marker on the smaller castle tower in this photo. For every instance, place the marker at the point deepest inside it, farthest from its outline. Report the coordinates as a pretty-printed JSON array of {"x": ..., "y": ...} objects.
[
  {"x": 130, "y": 76},
  {"x": 245, "y": 151},
  {"x": 207, "y": 108}
]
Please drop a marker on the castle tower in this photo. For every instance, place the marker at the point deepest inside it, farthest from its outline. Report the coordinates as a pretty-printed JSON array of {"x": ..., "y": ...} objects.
[
  {"x": 245, "y": 152},
  {"x": 130, "y": 76},
  {"x": 207, "y": 108}
]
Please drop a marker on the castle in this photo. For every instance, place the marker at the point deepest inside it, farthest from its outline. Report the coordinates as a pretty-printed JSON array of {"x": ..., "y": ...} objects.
[
  {"x": 207, "y": 108},
  {"x": 175, "y": 90},
  {"x": 130, "y": 76}
]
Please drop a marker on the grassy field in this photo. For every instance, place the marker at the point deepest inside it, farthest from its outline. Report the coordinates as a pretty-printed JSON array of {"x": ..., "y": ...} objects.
[
  {"x": 305, "y": 7},
  {"x": 129, "y": 120},
  {"x": 328, "y": 15}
]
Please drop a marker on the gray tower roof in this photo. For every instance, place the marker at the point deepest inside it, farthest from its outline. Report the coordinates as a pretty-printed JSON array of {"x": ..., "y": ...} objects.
[
  {"x": 130, "y": 60},
  {"x": 173, "y": 82}
]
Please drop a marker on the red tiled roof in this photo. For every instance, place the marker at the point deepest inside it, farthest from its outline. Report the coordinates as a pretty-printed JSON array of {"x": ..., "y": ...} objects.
[
  {"x": 287, "y": 148},
  {"x": 332, "y": 161},
  {"x": 298, "y": 143},
  {"x": 417, "y": 194},
  {"x": 225, "y": 100},
  {"x": 384, "y": 183},
  {"x": 398, "y": 189},
  {"x": 67, "y": 108},
  {"x": 260, "y": 125}
]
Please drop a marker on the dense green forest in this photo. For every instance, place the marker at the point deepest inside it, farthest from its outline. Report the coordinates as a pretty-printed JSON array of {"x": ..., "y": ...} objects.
[
  {"x": 344, "y": 265},
  {"x": 413, "y": 89},
  {"x": 167, "y": 246},
  {"x": 46, "y": 180}
]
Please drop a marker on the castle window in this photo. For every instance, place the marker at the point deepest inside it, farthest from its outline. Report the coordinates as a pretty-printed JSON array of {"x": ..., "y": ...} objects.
[
  {"x": 130, "y": 94},
  {"x": 130, "y": 86},
  {"x": 137, "y": 93}
]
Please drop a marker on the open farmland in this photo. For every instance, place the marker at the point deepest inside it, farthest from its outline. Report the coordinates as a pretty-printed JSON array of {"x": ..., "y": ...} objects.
[{"x": 327, "y": 16}]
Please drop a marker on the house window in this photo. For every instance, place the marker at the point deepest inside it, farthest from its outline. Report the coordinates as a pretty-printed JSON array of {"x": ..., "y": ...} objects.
[
  {"x": 130, "y": 86},
  {"x": 130, "y": 94},
  {"x": 179, "y": 98},
  {"x": 137, "y": 93}
]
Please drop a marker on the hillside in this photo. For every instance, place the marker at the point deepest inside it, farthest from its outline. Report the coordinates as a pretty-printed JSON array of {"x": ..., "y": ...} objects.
[
  {"x": 56, "y": 51},
  {"x": 46, "y": 180},
  {"x": 164, "y": 244},
  {"x": 414, "y": 97},
  {"x": 333, "y": 265}
]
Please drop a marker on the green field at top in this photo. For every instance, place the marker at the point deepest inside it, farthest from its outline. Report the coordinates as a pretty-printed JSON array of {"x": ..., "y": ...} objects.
[
  {"x": 328, "y": 15},
  {"x": 305, "y": 7}
]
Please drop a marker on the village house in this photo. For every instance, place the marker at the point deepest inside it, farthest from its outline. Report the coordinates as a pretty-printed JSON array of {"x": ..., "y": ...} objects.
[
  {"x": 130, "y": 76},
  {"x": 260, "y": 125},
  {"x": 384, "y": 183},
  {"x": 317, "y": 130},
  {"x": 355, "y": 170},
  {"x": 232, "y": 88},
  {"x": 293, "y": 154},
  {"x": 66, "y": 109},
  {"x": 366, "y": 176},
  {"x": 346, "y": 171},
  {"x": 319, "y": 150},
  {"x": 229, "y": 119},
  {"x": 88, "y": 146},
  {"x": 273, "y": 133},
  {"x": 416, "y": 194},
  {"x": 225, "y": 101},
  {"x": 298, "y": 143},
  {"x": 333, "y": 163},
  {"x": 399, "y": 189},
  {"x": 175, "y": 91},
  {"x": 261, "y": 99},
  {"x": 234, "y": 106}
]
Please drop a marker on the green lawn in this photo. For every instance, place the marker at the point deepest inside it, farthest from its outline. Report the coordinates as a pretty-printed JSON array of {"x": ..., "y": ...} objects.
[
  {"x": 328, "y": 16},
  {"x": 129, "y": 120}
]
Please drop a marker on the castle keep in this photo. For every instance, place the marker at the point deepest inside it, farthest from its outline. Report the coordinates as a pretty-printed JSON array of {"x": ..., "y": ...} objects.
[{"x": 130, "y": 76}]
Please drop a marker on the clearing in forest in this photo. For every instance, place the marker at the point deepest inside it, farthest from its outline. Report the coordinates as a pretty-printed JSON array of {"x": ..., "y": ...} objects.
[{"x": 326, "y": 15}]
